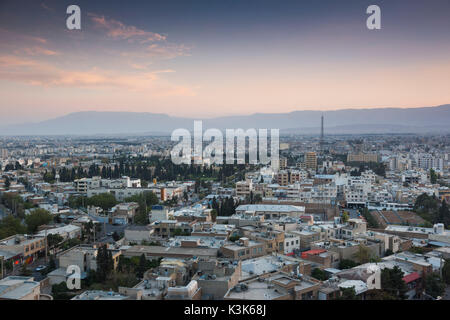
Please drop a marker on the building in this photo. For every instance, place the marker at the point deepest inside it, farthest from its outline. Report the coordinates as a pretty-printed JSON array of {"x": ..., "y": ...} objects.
[
  {"x": 21, "y": 288},
  {"x": 216, "y": 276},
  {"x": 276, "y": 286},
  {"x": 271, "y": 211},
  {"x": 363, "y": 157},
  {"x": 311, "y": 160},
  {"x": 244, "y": 248},
  {"x": 100, "y": 295},
  {"x": 22, "y": 248},
  {"x": 137, "y": 234},
  {"x": 189, "y": 292},
  {"x": 244, "y": 188}
]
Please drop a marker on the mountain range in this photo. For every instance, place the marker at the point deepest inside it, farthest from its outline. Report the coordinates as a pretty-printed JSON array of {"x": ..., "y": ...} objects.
[{"x": 345, "y": 121}]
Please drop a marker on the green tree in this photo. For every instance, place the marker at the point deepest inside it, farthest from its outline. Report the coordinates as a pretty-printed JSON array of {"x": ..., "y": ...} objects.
[
  {"x": 24, "y": 271},
  {"x": 7, "y": 183},
  {"x": 213, "y": 215},
  {"x": 116, "y": 236},
  {"x": 319, "y": 274},
  {"x": 54, "y": 239},
  {"x": 434, "y": 286},
  {"x": 105, "y": 263},
  {"x": 142, "y": 266},
  {"x": 446, "y": 271},
  {"x": 348, "y": 294},
  {"x": 10, "y": 226},
  {"x": 104, "y": 200},
  {"x": 433, "y": 176},
  {"x": 36, "y": 218},
  {"x": 345, "y": 216},
  {"x": 363, "y": 255},
  {"x": 347, "y": 264},
  {"x": 392, "y": 282}
]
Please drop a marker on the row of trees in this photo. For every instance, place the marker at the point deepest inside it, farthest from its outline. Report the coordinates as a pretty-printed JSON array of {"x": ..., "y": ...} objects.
[
  {"x": 224, "y": 206},
  {"x": 146, "y": 170},
  {"x": 11, "y": 225},
  {"x": 432, "y": 209},
  {"x": 377, "y": 167}
]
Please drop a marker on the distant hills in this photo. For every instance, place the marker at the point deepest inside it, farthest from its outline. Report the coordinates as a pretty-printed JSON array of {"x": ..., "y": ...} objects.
[{"x": 345, "y": 121}]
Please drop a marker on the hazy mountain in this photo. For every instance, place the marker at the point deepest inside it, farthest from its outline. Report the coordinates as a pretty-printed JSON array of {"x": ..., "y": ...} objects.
[{"x": 346, "y": 121}]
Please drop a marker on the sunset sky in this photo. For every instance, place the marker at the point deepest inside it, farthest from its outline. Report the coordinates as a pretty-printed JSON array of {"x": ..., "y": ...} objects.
[{"x": 220, "y": 57}]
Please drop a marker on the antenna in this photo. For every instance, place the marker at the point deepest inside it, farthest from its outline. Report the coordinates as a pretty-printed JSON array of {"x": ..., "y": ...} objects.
[{"x": 321, "y": 133}]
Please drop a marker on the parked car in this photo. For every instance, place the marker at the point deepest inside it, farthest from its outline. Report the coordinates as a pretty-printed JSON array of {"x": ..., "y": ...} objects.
[{"x": 40, "y": 268}]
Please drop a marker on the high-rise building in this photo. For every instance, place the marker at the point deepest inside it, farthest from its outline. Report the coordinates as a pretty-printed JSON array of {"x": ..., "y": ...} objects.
[
  {"x": 321, "y": 135},
  {"x": 311, "y": 160}
]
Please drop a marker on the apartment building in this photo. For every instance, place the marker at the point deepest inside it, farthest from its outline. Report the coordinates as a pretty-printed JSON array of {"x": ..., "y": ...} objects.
[
  {"x": 244, "y": 188},
  {"x": 244, "y": 248},
  {"x": 363, "y": 157},
  {"x": 311, "y": 160}
]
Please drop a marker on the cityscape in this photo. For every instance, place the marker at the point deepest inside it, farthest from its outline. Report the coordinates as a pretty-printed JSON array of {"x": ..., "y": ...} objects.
[{"x": 353, "y": 202}]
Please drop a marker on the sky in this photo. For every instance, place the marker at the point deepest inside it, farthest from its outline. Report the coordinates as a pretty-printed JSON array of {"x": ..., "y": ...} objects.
[{"x": 220, "y": 57}]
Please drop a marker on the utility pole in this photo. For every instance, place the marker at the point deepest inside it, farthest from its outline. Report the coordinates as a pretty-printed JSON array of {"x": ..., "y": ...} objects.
[
  {"x": 46, "y": 247},
  {"x": 2, "y": 258}
]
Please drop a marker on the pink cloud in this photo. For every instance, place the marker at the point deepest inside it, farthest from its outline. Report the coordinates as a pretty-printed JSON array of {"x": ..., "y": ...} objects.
[
  {"x": 38, "y": 73},
  {"x": 33, "y": 51}
]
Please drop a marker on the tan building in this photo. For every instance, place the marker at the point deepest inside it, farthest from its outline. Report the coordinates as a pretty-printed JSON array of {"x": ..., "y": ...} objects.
[
  {"x": 215, "y": 277},
  {"x": 278, "y": 286},
  {"x": 21, "y": 288},
  {"x": 311, "y": 160},
  {"x": 23, "y": 248},
  {"x": 363, "y": 157},
  {"x": 244, "y": 248},
  {"x": 244, "y": 188}
]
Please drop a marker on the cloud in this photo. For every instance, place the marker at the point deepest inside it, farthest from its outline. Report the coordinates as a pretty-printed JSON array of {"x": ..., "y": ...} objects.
[
  {"x": 46, "y": 7},
  {"x": 38, "y": 73},
  {"x": 119, "y": 30},
  {"x": 33, "y": 51}
]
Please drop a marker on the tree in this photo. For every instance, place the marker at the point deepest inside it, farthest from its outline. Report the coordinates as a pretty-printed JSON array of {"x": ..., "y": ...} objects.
[
  {"x": 10, "y": 226},
  {"x": 444, "y": 214},
  {"x": 392, "y": 282},
  {"x": 345, "y": 216},
  {"x": 54, "y": 239},
  {"x": 434, "y": 286},
  {"x": 433, "y": 176},
  {"x": 319, "y": 274},
  {"x": 213, "y": 215},
  {"x": 104, "y": 200},
  {"x": 371, "y": 221},
  {"x": 363, "y": 255},
  {"x": 104, "y": 263},
  {"x": 142, "y": 267},
  {"x": 36, "y": 218},
  {"x": 116, "y": 236},
  {"x": 348, "y": 294},
  {"x": 24, "y": 271},
  {"x": 7, "y": 183},
  {"x": 347, "y": 264},
  {"x": 446, "y": 271}
]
